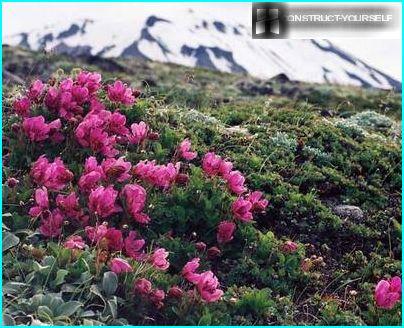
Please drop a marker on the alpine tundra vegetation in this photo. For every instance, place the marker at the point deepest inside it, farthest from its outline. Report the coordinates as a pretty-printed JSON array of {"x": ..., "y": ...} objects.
[{"x": 136, "y": 192}]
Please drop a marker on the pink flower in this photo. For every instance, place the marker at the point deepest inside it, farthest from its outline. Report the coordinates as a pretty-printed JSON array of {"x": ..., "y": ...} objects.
[
  {"x": 69, "y": 205},
  {"x": 118, "y": 266},
  {"x": 289, "y": 247},
  {"x": 80, "y": 94},
  {"x": 114, "y": 239},
  {"x": 185, "y": 150},
  {"x": 22, "y": 106},
  {"x": 116, "y": 124},
  {"x": 91, "y": 133},
  {"x": 89, "y": 181},
  {"x": 116, "y": 169},
  {"x": 159, "y": 259},
  {"x": 208, "y": 287},
  {"x": 241, "y": 209},
  {"x": 135, "y": 198},
  {"x": 235, "y": 182},
  {"x": 188, "y": 271},
  {"x": 35, "y": 128},
  {"x": 89, "y": 80},
  {"x": 102, "y": 201},
  {"x": 133, "y": 246},
  {"x": 12, "y": 182},
  {"x": 42, "y": 202},
  {"x": 258, "y": 203},
  {"x": 225, "y": 231},
  {"x": 121, "y": 93},
  {"x": 51, "y": 223},
  {"x": 388, "y": 293},
  {"x": 211, "y": 163},
  {"x": 74, "y": 242},
  {"x": 52, "y": 99},
  {"x": 35, "y": 90},
  {"x": 158, "y": 175},
  {"x": 138, "y": 133},
  {"x": 54, "y": 175},
  {"x": 156, "y": 297},
  {"x": 95, "y": 234},
  {"x": 142, "y": 286}
]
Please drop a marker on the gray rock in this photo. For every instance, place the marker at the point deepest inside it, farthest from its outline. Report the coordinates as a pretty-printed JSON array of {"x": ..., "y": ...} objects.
[{"x": 349, "y": 212}]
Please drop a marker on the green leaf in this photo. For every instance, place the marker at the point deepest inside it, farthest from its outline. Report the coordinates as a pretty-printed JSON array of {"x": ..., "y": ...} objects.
[
  {"x": 110, "y": 282},
  {"x": 44, "y": 313},
  {"x": 60, "y": 277},
  {"x": 9, "y": 240},
  {"x": 69, "y": 308}
]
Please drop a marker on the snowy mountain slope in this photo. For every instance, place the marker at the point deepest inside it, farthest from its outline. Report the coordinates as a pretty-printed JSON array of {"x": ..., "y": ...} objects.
[{"x": 199, "y": 40}]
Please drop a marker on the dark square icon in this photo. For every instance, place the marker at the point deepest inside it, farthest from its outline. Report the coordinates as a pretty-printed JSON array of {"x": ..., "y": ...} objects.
[{"x": 268, "y": 20}]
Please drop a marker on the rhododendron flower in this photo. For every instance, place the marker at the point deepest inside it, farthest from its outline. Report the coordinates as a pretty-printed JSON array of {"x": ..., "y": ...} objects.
[
  {"x": 121, "y": 93},
  {"x": 200, "y": 246},
  {"x": 89, "y": 181},
  {"x": 159, "y": 259},
  {"x": 95, "y": 234},
  {"x": 211, "y": 163},
  {"x": 114, "y": 239},
  {"x": 69, "y": 205},
  {"x": 241, "y": 209},
  {"x": 116, "y": 169},
  {"x": 37, "y": 130},
  {"x": 138, "y": 133},
  {"x": 188, "y": 271},
  {"x": 54, "y": 175},
  {"x": 116, "y": 124},
  {"x": 156, "y": 297},
  {"x": 22, "y": 106},
  {"x": 289, "y": 247},
  {"x": 42, "y": 202},
  {"x": 52, "y": 99},
  {"x": 258, "y": 203},
  {"x": 185, "y": 152},
  {"x": 175, "y": 292},
  {"x": 102, "y": 201},
  {"x": 91, "y": 133},
  {"x": 388, "y": 293},
  {"x": 118, "y": 266},
  {"x": 142, "y": 286},
  {"x": 80, "y": 94},
  {"x": 235, "y": 182},
  {"x": 208, "y": 287},
  {"x": 225, "y": 231},
  {"x": 158, "y": 175},
  {"x": 135, "y": 198},
  {"x": 74, "y": 242},
  {"x": 51, "y": 223},
  {"x": 89, "y": 80},
  {"x": 133, "y": 246},
  {"x": 35, "y": 90}
]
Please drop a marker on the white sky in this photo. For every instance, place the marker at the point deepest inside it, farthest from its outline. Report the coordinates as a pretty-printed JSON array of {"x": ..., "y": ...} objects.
[{"x": 384, "y": 54}]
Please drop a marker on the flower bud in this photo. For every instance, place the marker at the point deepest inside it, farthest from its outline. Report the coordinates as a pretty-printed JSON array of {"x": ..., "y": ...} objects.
[
  {"x": 12, "y": 182},
  {"x": 213, "y": 252},
  {"x": 175, "y": 292},
  {"x": 182, "y": 179},
  {"x": 153, "y": 136},
  {"x": 200, "y": 246}
]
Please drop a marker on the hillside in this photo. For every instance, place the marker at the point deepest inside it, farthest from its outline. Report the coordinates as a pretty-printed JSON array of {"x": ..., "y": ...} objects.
[{"x": 327, "y": 158}]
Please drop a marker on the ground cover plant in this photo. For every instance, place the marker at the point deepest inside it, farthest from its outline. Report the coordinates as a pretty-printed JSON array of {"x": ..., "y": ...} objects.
[{"x": 152, "y": 194}]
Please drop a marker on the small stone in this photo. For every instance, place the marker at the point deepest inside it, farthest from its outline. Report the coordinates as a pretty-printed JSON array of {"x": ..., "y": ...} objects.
[{"x": 349, "y": 212}]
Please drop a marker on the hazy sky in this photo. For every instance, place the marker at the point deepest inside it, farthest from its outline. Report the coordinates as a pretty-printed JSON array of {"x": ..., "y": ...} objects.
[{"x": 383, "y": 54}]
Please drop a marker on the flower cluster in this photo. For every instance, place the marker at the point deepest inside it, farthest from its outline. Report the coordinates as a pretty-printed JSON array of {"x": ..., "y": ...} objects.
[{"x": 110, "y": 190}]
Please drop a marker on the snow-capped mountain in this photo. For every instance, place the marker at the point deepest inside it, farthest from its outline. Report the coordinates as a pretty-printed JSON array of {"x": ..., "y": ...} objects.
[{"x": 201, "y": 40}]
